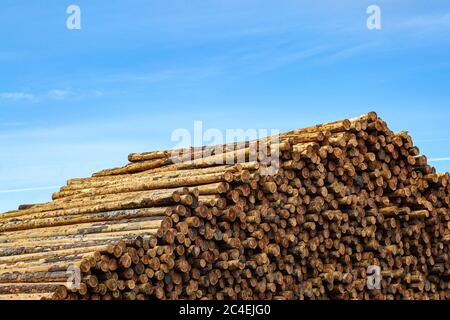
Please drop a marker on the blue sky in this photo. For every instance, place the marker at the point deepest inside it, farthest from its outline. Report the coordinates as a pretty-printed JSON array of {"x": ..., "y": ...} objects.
[{"x": 74, "y": 102}]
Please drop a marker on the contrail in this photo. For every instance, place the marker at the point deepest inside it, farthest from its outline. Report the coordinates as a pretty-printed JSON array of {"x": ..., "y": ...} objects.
[
  {"x": 28, "y": 189},
  {"x": 439, "y": 159},
  {"x": 432, "y": 140}
]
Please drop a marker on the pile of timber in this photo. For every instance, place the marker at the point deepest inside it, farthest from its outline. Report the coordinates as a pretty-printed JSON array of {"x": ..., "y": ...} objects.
[{"x": 186, "y": 224}]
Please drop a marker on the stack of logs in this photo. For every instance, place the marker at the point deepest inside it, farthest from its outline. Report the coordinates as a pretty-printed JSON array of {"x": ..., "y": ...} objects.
[{"x": 184, "y": 224}]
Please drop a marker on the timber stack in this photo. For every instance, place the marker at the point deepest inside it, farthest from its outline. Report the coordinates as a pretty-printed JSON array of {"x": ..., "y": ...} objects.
[{"x": 227, "y": 222}]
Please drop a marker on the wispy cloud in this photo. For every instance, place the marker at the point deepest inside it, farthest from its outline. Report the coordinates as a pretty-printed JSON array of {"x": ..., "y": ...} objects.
[
  {"x": 12, "y": 124},
  {"x": 439, "y": 159},
  {"x": 434, "y": 21},
  {"x": 349, "y": 52},
  {"x": 162, "y": 75},
  {"x": 16, "y": 96},
  {"x": 271, "y": 60},
  {"x": 28, "y": 96},
  {"x": 432, "y": 140},
  {"x": 58, "y": 94},
  {"x": 29, "y": 189},
  {"x": 52, "y": 94}
]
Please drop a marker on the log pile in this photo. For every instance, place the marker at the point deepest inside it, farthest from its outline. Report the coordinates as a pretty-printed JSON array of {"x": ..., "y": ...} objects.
[{"x": 223, "y": 222}]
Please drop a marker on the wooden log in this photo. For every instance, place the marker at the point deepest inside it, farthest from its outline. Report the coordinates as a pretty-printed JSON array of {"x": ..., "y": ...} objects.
[
  {"x": 27, "y": 296},
  {"x": 86, "y": 228},
  {"x": 14, "y": 224},
  {"x": 142, "y": 185}
]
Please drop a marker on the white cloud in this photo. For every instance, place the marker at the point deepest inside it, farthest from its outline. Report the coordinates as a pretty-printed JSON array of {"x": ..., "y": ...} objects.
[
  {"x": 98, "y": 93},
  {"x": 431, "y": 140},
  {"x": 266, "y": 59},
  {"x": 16, "y": 96},
  {"x": 349, "y": 52},
  {"x": 171, "y": 74},
  {"x": 12, "y": 124},
  {"x": 58, "y": 94},
  {"x": 436, "y": 21},
  {"x": 29, "y": 189},
  {"x": 439, "y": 159},
  {"x": 52, "y": 94}
]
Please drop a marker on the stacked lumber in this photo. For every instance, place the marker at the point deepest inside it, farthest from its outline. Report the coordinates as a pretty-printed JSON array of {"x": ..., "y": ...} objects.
[{"x": 227, "y": 222}]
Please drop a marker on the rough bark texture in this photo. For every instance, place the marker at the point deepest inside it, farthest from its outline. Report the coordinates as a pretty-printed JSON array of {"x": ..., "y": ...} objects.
[{"x": 202, "y": 223}]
